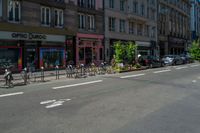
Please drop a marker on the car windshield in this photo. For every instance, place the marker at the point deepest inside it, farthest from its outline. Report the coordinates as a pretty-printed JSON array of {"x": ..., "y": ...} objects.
[{"x": 168, "y": 56}]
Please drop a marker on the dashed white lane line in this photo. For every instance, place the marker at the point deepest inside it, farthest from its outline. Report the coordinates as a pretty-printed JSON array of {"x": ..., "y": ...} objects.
[
  {"x": 11, "y": 94},
  {"x": 79, "y": 84},
  {"x": 194, "y": 81},
  {"x": 162, "y": 71},
  {"x": 132, "y": 76},
  {"x": 47, "y": 102},
  {"x": 178, "y": 68},
  {"x": 194, "y": 65}
]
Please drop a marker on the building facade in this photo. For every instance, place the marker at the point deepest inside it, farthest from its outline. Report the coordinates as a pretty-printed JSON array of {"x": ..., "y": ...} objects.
[
  {"x": 33, "y": 33},
  {"x": 173, "y": 26},
  {"x": 131, "y": 20},
  {"x": 195, "y": 19},
  {"x": 89, "y": 37}
]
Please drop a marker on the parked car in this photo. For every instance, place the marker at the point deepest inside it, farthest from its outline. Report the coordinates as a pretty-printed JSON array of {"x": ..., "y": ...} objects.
[
  {"x": 186, "y": 58},
  {"x": 152, "y": 61},
  {"x": 172, "y": 60}
]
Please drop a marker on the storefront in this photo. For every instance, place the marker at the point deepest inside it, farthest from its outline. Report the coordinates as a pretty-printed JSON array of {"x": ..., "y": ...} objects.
[
  {"x": 147, "y": 48},
  {"x": 32, "y": 49},
  {"x": 176, "y": 46},
  {"x": 10, "y": 56},
  {"x": 89, "y": 49},
  {"x": 51, "y": 57}
]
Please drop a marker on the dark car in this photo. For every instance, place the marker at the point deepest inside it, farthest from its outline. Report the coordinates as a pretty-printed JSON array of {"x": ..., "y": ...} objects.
[
  {"x": 186, "y": 58},
  {"x": 152, "y": 61},
  {"x": 172, "y": 60}
]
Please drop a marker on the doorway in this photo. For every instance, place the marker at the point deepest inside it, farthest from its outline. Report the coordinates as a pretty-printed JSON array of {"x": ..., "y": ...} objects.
[
  {"x": 88, "y": 55},
  {"x": 31, "y": 59}
]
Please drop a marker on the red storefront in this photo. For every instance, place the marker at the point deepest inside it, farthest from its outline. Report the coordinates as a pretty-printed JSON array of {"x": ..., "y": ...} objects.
[{"x": 89, "y": 49}]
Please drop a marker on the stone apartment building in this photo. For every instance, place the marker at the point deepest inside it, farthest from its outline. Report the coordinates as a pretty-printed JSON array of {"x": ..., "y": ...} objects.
[
  {"x": 131, "y": 20},
  {"x": 195, "y": 19},
  {"x": 89, "y": 37},
  {"x": 173, "y": 26},
  {"x": 35, "y": 33}
]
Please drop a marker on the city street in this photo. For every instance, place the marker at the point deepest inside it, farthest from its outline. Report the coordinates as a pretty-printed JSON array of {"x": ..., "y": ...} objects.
[{"x": 160, "y": 100}]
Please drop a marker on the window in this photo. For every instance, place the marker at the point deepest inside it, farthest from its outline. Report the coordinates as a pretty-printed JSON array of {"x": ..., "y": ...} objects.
[
  {"x": 82, "y": 21},
  {"x": 111, "y": 3},
  {"x": 58, "y": 18},
  {"x": 14, "y": 11},
  {"x": 45, "y": 16},
  {"x": 0, "y": 8},
  {"x": 122, "y": 25},
  {"x": 122, "y": 5},
  {"x": 135, "y": 7},
  {"x": 91, "y": 4},
  {"x": 153, "y": 32},
  {"x": 81, "y": 3},
  {"x": 131, "y": 27},
  {"x": 142, "y": 10},
  {"x": 111, "y": 24},
  {"x": 139, "y": 29},
  {"x": 147, "y": 30},
  {"x": 91, "y": 22},
  {"x": 101, "y": 54},
  {"x": 81, "y": 53}
]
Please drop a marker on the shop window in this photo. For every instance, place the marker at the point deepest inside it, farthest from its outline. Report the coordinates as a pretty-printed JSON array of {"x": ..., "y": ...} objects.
[
  {"x": 101, "y": 54},
  {"x": 45, "y": 16},
  {"x": 58, "y": 18},
  {"x": 10, "y": 57},
  {"x": 51, "y": 57},
  {"x": 81, "y": 54},
  {"x": 94, "y": 54},
  {"x": 14, "y": 10}
]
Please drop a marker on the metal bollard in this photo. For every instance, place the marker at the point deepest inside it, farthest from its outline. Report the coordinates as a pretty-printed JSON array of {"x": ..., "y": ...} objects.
[
  {"x": 57, "y": 72},
  {"x": 25, "y": 76},
  {"x": 82, "y": 69},
  {"x": 42, "y": 74}
]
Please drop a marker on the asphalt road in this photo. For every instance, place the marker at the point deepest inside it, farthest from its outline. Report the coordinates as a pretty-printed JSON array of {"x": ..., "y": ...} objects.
[{"x": 162, "y": 100}]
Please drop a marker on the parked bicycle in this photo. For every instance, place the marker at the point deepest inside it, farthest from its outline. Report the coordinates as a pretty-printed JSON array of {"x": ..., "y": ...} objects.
[
  {"x": 25, "y": 76},
  {"x": 8, "y": 78}
]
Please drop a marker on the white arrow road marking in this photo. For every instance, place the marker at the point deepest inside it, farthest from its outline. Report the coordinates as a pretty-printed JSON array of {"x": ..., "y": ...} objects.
[
  {"x": 178, "y": 68},
  {"x": 162, "y": 71},
  {"x": 54, "y": 103},
  {"x": 194, "y": 65},
  {"x": 132, "y": 76},
  {"x": 79, "y": 84},
  {"x": 12, "y": 94}
]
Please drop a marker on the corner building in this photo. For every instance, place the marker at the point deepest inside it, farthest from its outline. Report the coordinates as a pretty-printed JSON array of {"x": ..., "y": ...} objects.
[
  {"x": 33, "y": 33},
  {"x": 173, "y": 26}
]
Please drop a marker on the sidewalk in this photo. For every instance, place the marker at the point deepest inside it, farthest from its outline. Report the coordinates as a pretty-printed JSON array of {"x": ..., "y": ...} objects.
[{"x": 35, "y": 77}]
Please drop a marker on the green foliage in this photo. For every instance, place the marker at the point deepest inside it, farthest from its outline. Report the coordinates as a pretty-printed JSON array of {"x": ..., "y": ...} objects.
[
  {"x": 124, "y": 52},
  {"x": 195, "y": 50},
  {"x": 119, "y": 52},
  {"x": 130, "y": 52}
]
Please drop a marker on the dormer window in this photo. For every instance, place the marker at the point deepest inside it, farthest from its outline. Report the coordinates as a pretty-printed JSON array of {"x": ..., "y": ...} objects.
[{"x": 14, "y": 11}]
